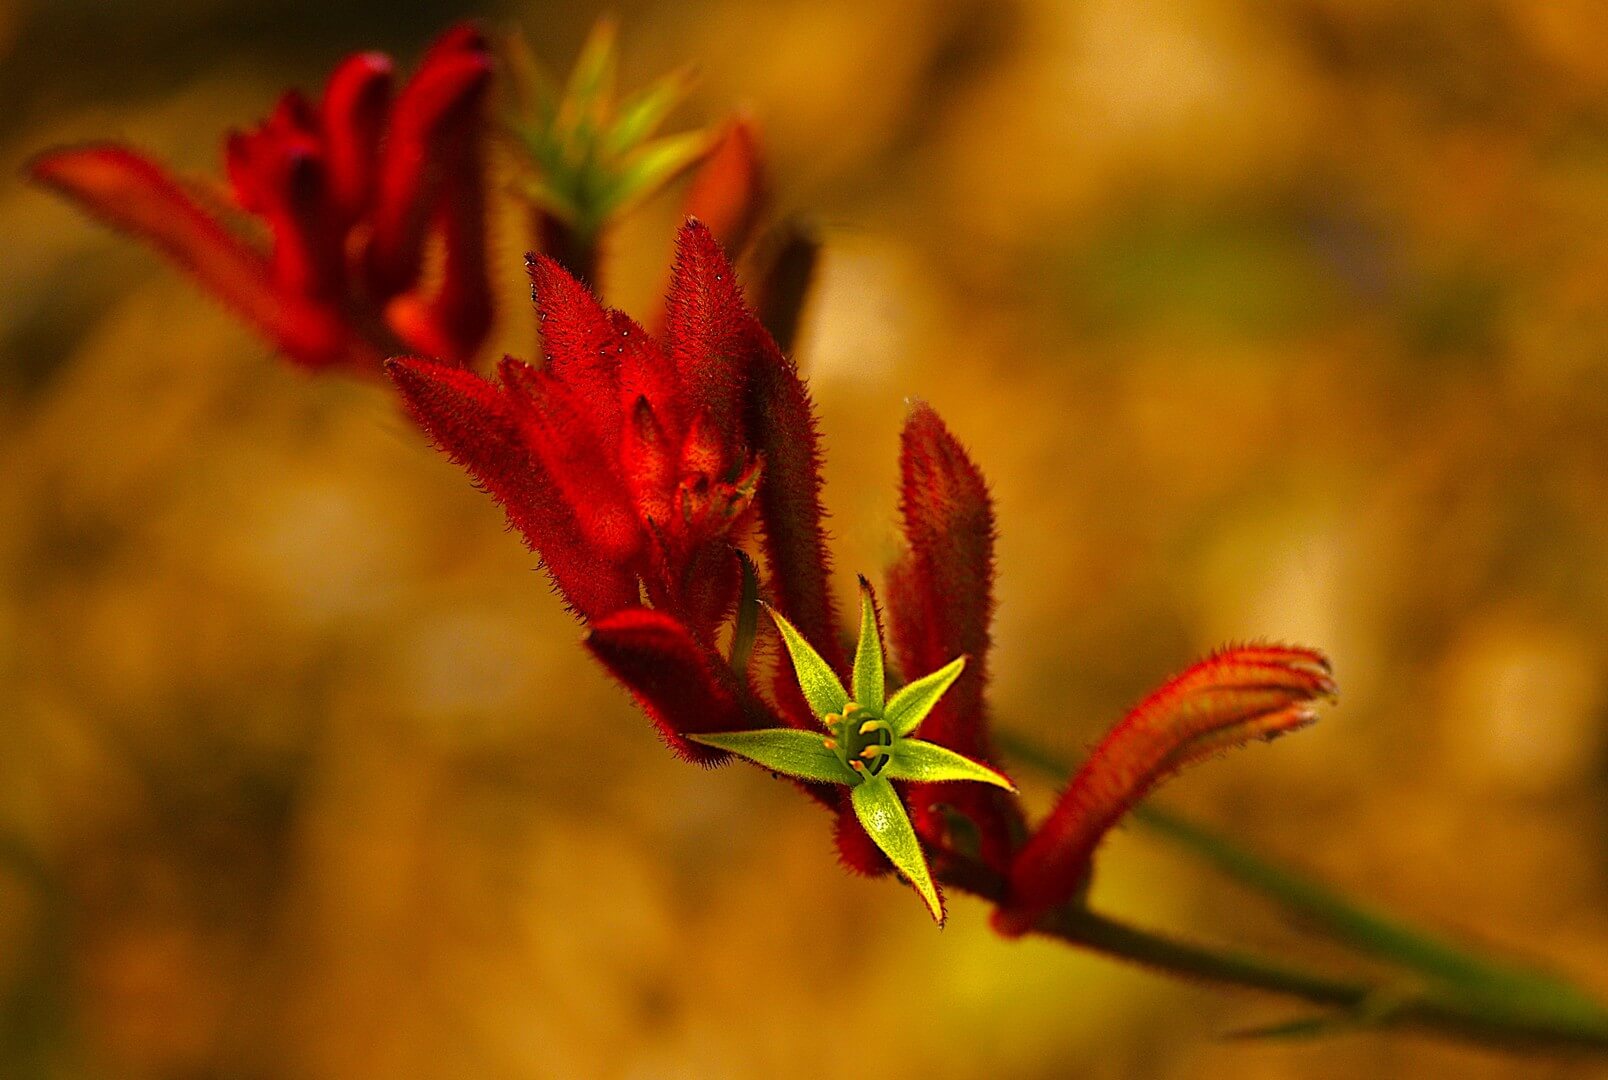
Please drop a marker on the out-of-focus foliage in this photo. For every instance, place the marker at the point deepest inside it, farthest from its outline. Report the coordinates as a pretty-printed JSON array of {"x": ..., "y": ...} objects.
[
  {"x": 1280, "y": 319},
  {"x": 591, "y": 157}
]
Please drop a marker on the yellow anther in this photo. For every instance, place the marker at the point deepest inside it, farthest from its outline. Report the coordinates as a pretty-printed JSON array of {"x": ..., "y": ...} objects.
[
  {"x": 830, "y": 744},
  {"x": 872, "y": 752},
  {"x": 871, "y": 725},
  {"x": 857, "y": 766},
  {"x": 850, "y": 707},
  {"x": 832, "y": 719}
]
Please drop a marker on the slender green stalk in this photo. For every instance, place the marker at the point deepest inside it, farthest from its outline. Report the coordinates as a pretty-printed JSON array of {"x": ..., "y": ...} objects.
[
  {"x": 1496, "y": 1022},
  {"x": 1363, "y": 928},
  {"x": 1451, "y": 990}
]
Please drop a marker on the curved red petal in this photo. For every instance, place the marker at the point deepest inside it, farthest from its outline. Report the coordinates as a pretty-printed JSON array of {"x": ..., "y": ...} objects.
[
  {"x": 357, "y": 99},
  {"x": 131, "y": 193},
  {"x": 682, "y": 685},
  {"x": 431, "y": 115},
  {"x": 478, "y": 424},
  {"x": 1231, "y": 697}
]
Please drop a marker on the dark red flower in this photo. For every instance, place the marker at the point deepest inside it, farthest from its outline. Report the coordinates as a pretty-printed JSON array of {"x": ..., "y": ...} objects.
[
  {"x": 941, "y": 603},
  {"x": 638, "y": 470},
  {"x": 1230, "y": 698},
  {"x": 349, "y": 189}
]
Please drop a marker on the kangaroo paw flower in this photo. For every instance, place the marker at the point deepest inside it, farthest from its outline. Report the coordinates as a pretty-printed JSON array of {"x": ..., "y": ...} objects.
[
  {"x": 1230, "y": 698},
  {"x": 940, "y": 599},
  {"x": 867, "y": 744},
  {"x": 349, "y": 188}
]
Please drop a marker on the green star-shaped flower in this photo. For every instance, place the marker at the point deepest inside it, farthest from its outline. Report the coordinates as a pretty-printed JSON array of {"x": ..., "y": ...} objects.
[{"x": 867, "y": 743}]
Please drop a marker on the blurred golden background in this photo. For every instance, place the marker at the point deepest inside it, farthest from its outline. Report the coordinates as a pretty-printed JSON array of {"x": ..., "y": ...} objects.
[{"x": 1281, "y": 319}]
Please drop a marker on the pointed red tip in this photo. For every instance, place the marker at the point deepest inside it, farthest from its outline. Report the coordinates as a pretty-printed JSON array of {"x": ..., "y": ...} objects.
[
  {"x": 941, "y": 594},
  {"x": 729, "y": 192},
  {"x": 578, "y": 336}
]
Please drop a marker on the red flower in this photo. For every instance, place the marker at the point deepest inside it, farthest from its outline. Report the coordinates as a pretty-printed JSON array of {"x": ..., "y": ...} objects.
[
  {"x": 1226, "y": 700},
  {"x": 941, "y": 602},
  {"x": 348, "y": 190},
  {"x": 640, "y": 470},
  {"x": 637, "y": 471},
  {"x": 728, "y": 191}
]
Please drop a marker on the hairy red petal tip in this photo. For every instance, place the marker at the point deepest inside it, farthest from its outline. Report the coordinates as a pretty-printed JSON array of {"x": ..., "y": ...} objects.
[
  {"x": 728, "y": 192},
  {"x": 682, "y": 685},
  {"x": 479, "y": 425},
  {"x": 583, "y": 345},
  {"x": 707, "y": 326},
  {"x": 779, "y": 420},
  {"x": 1231, "y": 697},
  {"x": 942, "y": 592},
  {"x": 131, "y": 193}
]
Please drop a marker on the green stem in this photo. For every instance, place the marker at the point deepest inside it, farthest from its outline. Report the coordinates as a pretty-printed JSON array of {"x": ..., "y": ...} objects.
[
  {"x": 1498, "y": 1022},
  {"x": 1080, "y": 926},
  {"x": 1363, "y": 928},
  {"x": 1469, "y": 996}
]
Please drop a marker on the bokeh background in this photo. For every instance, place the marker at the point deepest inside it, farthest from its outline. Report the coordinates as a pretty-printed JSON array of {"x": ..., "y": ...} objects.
[{"x": 1278, "y": 318}]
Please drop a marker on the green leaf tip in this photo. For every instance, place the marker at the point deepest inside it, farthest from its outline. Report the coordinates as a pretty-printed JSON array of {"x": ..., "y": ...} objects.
[
  {"x": 800, "y": 754},
  {"x": 589, "y": 156},
  {"x": 868, "y": 666},
  {"x": 883, "y": 817},
  {"x": 913, "y": 759},
  {"x": 911, "y": 705},
  {"x": 821, "y": 686}
]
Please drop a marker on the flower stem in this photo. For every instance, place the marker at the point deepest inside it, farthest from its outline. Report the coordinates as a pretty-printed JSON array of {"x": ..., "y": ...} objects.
[
  {"x": 1501, "y": 1021},
  {"x": 1449, "y": 990}
]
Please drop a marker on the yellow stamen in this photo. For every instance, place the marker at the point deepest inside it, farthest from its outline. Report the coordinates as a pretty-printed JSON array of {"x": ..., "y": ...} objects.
[{"x": 830, "y": 744}]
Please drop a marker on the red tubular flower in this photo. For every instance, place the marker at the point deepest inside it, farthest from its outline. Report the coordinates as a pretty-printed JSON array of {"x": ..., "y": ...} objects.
[
  {"x": 1226, "y": 700},
  {"x": 348, "y": 189},
  {"x": 728, "y": 191},
  {"x": 941, "y": 599},
  {"x": 638, "y": 470}
]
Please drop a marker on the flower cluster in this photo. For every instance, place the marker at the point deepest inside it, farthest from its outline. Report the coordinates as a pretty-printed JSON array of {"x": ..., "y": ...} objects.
[
  {"x": 669, "y": 486},
  {"x": 640, "y": 470},
  {"x": 671, "y": 480},
  {"x": 348, "y": 191}
]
